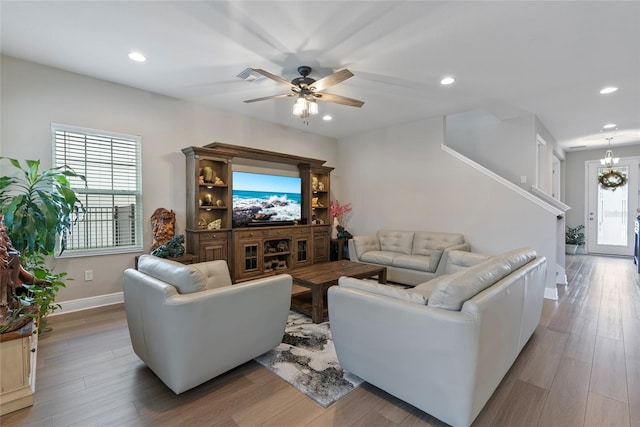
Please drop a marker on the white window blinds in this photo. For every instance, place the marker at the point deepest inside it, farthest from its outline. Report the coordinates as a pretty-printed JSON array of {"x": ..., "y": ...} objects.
[{"x": 112, "y": 218}]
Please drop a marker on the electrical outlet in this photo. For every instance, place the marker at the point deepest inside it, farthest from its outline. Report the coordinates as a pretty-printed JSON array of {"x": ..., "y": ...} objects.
[
  {"x": 523, "y": 179},
  {"x": 88, "y": 275}
]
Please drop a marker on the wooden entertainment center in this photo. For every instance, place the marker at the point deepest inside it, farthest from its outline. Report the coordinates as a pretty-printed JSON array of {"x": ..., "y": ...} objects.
[{"x": 253, "y": 252}]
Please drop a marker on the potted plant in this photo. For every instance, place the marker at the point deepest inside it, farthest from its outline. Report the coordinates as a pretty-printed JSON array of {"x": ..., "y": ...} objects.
[
  {"x": 38, "y": 207},
  {"x": 573, "y": 237},
  {"x": 339, "y": 213}
]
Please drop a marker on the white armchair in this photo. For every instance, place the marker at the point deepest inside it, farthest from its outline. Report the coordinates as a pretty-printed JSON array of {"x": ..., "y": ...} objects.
[{"x": 189, "y": 324}]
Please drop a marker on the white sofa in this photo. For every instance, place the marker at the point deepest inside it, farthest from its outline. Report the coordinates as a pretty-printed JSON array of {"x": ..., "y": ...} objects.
[
  {"x": 445, "y": 345},
  {"x": 189, "y": 324},
  {"x": 411, "y": 257}
]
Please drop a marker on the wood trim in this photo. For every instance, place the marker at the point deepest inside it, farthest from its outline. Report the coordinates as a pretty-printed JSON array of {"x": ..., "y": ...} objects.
[{"x": 258, "y": 154}]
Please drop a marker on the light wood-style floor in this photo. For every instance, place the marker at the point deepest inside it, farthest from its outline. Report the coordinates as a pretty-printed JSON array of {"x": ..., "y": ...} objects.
[{"x": 581, "y": 368}]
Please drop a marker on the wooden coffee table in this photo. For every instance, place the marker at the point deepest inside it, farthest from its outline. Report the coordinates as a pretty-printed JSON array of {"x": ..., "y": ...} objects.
[{"x": 319, "y": 277}]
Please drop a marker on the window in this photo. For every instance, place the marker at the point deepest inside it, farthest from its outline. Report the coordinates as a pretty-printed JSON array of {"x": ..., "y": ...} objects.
[{"x": 112, "y": 197}]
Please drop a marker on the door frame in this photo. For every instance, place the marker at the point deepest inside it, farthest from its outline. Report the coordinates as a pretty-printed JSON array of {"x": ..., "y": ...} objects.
[{"x": 630, "y": 207}]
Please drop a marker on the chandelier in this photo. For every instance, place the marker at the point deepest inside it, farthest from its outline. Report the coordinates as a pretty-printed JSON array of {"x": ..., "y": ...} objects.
[
  {"x": 609, "y": 161},
  {"x": 610, "y": 178},
  {"x": 305, "y": 105}
]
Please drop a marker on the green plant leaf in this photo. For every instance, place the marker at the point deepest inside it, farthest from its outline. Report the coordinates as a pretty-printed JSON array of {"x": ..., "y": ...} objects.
[{"x": 14, "y": 162}]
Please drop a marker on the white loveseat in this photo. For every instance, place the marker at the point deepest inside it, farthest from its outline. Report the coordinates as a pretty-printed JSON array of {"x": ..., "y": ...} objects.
[
  {"x": 189, "y": 324},
  {"x": 411, "y": 257},
  {"x": 445, "y": 345}
]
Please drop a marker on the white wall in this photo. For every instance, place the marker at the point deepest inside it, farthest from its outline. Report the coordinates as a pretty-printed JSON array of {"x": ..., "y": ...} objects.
[
  {"x": 574, "y": 194},
  {"x": 400, "y": 178},
  {"x": 505, "y": 146},
  {"x": 552, "y": 148},
  {"x": 33, "y": 96}
]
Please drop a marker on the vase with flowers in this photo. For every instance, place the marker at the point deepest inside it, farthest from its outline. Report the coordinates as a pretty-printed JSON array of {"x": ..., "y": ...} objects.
[{"x": 340, "y": 214}]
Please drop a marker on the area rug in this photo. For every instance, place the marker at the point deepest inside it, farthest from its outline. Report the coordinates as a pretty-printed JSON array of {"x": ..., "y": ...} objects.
[{"x": 307, "y": 360}]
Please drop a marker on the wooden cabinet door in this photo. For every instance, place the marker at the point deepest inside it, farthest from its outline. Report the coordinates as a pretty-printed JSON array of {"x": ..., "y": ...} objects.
[
  {"x": 212, "y": 246},
  {"x": 300, "y": 252},
  {"x": 321, "y": 244},
  {"x": 212, "y": 251},
  {"x": 248, "y": 259}
]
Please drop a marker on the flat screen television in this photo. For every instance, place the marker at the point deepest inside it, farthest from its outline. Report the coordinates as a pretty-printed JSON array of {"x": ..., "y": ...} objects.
[{"x": 265, "y": 199}]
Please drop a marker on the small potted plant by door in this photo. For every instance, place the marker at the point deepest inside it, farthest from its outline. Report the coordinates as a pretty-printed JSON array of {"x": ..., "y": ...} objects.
[{"x": 573, "y": 237}]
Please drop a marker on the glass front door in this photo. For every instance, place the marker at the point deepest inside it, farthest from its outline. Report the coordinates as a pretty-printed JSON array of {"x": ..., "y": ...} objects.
[{"x": 610, "y": 212}]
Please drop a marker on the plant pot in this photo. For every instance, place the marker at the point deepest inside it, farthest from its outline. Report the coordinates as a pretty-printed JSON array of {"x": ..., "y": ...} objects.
[
  {"x": 18, "y": 371},
  {"x": 570, "y": 249}
]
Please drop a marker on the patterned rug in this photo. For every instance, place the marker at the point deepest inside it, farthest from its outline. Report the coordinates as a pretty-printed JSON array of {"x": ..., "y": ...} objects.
[{"x": 307, "y": 360}]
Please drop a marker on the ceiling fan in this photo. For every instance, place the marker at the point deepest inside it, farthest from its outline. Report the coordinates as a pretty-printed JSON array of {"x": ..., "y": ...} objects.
[{"x": 308, "y": 90}]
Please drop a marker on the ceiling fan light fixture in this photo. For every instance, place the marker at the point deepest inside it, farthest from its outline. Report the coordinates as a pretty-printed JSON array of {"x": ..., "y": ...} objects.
[
  {"x": 306, "y": 90},
  {"x": 313, "y": 107},
  {"x": 299, "y": 107}
]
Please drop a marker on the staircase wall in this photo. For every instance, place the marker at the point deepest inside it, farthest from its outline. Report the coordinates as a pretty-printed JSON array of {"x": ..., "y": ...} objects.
[{"x": 401, "y": 178}]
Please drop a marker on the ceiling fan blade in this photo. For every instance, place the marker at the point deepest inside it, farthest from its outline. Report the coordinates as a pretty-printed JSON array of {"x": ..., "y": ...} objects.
[
  {"x": 337, "y": 99},
  {"x": 333, "y": 79},
  {"x": 284, "y": 95},
  {"x": 274, "y": 78}
]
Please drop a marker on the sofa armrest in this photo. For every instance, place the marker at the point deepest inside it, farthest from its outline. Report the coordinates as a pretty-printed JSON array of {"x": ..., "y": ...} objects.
[
  {"x": 358, "y": 245},
  {"x": 353, "y": 255},
  {"x": 442, "y": 263}
]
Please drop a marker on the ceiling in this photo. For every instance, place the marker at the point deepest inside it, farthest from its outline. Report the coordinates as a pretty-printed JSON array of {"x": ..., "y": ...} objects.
[{"x": 510, "y": 58}]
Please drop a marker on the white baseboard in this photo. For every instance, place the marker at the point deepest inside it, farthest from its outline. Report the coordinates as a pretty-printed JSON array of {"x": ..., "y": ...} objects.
[
  {"x": 90, "y": 302},
  {"x": 561, "y": 275},
  {"x": 551, "y": 294}
]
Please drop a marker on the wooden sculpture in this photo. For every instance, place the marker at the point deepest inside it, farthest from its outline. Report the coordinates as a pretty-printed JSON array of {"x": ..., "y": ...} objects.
[{"x": 164, "y": 226}]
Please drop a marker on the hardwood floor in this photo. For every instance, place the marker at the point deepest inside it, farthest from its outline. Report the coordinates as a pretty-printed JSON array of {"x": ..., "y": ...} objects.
[{"x": 580, "y": 368}]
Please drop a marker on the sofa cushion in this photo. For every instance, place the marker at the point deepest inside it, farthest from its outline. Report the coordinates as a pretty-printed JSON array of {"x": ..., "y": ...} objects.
[
  {"x": 379, "y": 289},
  {"x": 215, "y": 272},
  {"x": 433, "y": 244},
  {"x": 413, "y": 262},
  {"x": 452, "y": 290},
  {"x": 425, "y": 242},
  {"x": 379, "y": 257},
  {"x": 396, "y": 241},
  {"x": 184, "y": 278},
  {"x": 461, "y": 260},
  {"x": 519, "y": 257},
  {"x": 365, "y": 244}
]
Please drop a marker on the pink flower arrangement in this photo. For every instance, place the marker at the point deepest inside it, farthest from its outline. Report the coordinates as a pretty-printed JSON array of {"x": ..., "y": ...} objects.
[{"x": 339, "y": 211}]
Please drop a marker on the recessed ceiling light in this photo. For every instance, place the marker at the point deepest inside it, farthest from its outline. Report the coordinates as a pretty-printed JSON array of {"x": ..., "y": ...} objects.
[
  {"x": 447, "y": 81},
  {"x": 327, "y": 118},
  {"x": 137, "y": 56},
  {"x": 609, "y": 89},
  {"x": 609, "y": 126}
]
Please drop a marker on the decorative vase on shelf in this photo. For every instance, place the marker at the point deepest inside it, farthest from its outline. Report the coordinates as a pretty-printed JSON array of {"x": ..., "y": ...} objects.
[{"x": 334, "y": 228}]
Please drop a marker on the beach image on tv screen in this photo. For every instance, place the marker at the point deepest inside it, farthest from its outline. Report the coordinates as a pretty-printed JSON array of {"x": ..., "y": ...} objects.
[{"x": 263, "y": 197}]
